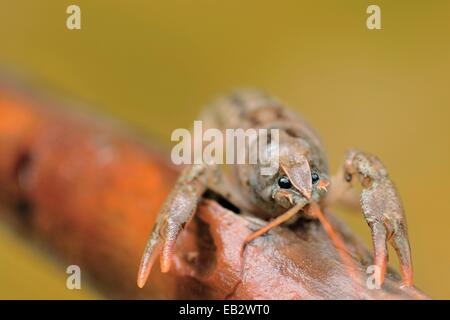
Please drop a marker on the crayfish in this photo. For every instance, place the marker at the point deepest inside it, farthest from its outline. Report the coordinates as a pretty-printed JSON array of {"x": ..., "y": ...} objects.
[{"x": 300, "y": 187}]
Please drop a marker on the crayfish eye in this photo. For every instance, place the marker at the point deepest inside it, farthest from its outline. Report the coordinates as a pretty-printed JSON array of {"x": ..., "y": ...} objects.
[
  {"x": 348, "y": 177},
  {"x": 315, "y": 177},
  {"x": 284, "y": 182}
]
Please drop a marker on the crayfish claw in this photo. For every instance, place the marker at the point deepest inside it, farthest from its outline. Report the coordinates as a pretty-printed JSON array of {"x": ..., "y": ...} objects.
[
  {"x": 177, "y": 211},
  {"x": 379, "y": 240},
  {"x": 151, "y": 252},
  {"x": 400, "y": 243},
  {"x": 383, "y": 211}
]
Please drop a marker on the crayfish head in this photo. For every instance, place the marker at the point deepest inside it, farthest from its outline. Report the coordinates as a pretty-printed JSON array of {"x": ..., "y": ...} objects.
[{"x": 298, "y": 180}]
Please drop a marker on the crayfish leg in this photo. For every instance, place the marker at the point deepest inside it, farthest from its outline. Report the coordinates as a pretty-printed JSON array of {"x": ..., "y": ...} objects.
[{"x": 315, "y": 211}]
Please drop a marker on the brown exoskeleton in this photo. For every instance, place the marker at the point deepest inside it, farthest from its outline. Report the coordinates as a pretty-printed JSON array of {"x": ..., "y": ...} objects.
[
  {"x": 382, "y": 210},
  {"x": 299, "y": 187}
]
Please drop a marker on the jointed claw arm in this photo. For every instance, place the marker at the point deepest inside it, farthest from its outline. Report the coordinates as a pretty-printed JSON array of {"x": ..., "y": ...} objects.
[
  {"x": 381, "y": 206},
  {"x": 176, "y": 212}
]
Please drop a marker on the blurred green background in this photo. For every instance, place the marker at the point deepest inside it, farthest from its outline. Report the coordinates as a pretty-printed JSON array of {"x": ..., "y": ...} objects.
[{"x": 153, "y": 64}]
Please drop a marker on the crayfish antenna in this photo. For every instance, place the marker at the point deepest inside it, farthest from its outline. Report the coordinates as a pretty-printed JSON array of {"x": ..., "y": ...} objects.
[
  {"x": 276, "y": 222},
  {"x": 338, "y": 243}
]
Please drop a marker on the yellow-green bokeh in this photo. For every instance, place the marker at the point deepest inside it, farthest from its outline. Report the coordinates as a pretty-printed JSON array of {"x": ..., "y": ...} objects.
[{"x": 153, "y": 64}]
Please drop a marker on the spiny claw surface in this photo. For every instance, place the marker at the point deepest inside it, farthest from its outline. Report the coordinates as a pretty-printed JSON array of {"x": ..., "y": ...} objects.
[
  {"x": 383, "y": 211},
  {"x": 175, "y": 214}
]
